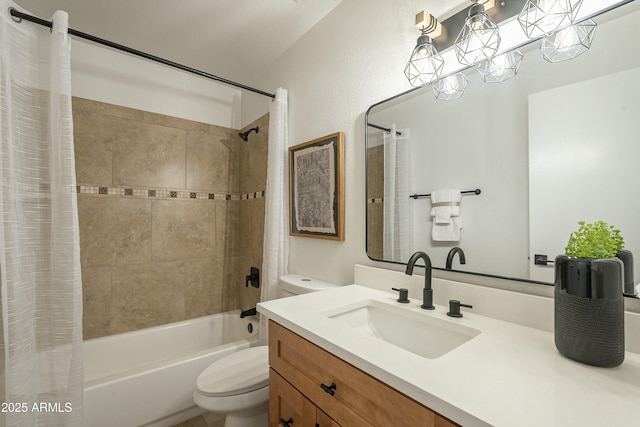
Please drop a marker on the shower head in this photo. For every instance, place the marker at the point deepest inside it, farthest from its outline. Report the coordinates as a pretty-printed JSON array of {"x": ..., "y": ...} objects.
[{"x": 245, "y": 135}]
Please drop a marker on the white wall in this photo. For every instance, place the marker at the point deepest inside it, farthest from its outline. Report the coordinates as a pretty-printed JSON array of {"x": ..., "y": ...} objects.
[
  {"x": 110, "y": 76},
  {"x": 350, "y": 60}
]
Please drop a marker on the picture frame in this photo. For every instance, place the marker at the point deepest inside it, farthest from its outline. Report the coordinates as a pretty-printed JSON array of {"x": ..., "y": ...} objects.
[{"x": 316, "y": 188}]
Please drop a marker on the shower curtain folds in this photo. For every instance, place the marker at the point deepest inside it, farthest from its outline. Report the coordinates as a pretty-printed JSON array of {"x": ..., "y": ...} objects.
[
  {"x": 275, "y": 261},
  {"x": 40, "y": 278},
  {"x": 398, "y": 218}
]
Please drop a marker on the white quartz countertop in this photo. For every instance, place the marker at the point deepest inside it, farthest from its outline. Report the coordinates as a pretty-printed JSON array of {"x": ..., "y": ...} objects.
[{"x": 508, "y": 375}]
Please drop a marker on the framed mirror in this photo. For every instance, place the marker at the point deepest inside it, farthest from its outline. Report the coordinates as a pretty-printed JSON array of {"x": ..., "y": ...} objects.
[{"x": 557, "y": 144}]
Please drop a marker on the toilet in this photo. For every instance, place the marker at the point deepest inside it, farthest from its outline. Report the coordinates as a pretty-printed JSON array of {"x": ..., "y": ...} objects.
[{"x": 237, "y": 385}]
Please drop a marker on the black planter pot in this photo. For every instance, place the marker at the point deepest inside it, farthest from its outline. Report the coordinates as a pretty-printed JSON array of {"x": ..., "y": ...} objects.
[
  {"x": 629, "y": 283},
  {"x": 589, "y": 310}
]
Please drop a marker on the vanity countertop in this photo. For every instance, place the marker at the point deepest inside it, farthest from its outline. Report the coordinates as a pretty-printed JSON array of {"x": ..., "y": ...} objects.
[{"x": 507, "y": 375}]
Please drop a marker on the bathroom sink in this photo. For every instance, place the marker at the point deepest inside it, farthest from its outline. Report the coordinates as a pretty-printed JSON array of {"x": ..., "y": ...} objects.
[{"x": 418, "y": 333}]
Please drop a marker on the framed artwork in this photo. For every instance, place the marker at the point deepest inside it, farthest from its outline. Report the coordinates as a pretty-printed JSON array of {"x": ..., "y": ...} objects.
[{"x": 316, "y": 188}]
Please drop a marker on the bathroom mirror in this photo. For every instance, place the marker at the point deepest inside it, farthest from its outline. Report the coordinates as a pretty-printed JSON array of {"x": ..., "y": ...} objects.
[{"x": 557, "y": 144}]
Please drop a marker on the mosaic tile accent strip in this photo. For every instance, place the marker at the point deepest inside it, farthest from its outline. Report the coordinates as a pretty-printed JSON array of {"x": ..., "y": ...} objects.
[
  {"x": 377, "y": 200},
  {"x": 163, "y": 193}
]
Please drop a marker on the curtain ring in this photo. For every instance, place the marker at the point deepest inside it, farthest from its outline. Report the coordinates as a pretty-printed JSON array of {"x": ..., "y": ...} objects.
[{"x": 15, "y": 18}]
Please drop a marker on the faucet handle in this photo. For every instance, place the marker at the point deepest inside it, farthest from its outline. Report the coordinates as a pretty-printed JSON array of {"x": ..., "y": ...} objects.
[
  {"x": 454, "y": 308},
  {"x": 404, "y": 295}
]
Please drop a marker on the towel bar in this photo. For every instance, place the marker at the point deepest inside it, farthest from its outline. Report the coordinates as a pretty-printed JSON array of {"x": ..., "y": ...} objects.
[{"x": 422, "y": 196}]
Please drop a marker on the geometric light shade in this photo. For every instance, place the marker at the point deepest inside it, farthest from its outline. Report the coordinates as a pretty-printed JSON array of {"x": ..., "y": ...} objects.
[
  {"x": 450, "y": 87},
  {"x": 479, "y": 38},
  {"x": 501, "y": 67},
  {"x": 425, "y": 64},
  {"x": 568, "y": 42},
  {"x": 540, "y": 17}
]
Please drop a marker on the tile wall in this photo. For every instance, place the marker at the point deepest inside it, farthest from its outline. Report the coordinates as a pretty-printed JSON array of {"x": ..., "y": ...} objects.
[
  {"x": 171, "y": 216},
  {"x": 375, "y": 205}
]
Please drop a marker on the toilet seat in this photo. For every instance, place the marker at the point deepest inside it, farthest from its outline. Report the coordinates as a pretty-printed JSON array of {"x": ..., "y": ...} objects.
[{"x": 237, "y": 373}]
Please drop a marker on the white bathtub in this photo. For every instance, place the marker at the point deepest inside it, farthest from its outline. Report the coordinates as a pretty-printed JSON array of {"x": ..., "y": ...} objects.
[{"x": 147, "y": 377}]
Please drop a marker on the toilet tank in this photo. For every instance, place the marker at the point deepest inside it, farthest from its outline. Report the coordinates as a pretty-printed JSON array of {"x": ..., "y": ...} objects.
[{"x": 296, "y": 284}]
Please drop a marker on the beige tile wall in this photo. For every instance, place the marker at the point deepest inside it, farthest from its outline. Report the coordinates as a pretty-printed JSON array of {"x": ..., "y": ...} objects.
[
  {"x": 171, "y": 216},
  {"x": 248, "y": 218},
  {"x": 375, "y": 206},
  {"x": 253, "y": 178}
]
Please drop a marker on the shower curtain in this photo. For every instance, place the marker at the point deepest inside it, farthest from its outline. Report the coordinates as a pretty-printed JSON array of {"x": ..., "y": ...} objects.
[
  {"x": 276, "y": 222},
  {"x": 397, "y": 238},
  {"x": 41, "y": 351}
]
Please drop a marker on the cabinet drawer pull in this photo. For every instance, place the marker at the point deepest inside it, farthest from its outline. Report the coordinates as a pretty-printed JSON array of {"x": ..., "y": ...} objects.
[
  {"x": 329, "y": 389},
  {"x": 287, "y": 423}
]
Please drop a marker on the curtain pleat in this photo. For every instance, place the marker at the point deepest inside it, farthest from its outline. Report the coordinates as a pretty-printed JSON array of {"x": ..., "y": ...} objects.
[
  {"x": 276, "y": 223},
  {"x": 397, "y": 238},
  {"x": 39, "y": 235}
]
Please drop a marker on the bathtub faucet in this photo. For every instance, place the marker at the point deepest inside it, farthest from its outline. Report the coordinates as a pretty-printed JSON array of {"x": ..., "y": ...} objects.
[{"x": 250, "y": 312}]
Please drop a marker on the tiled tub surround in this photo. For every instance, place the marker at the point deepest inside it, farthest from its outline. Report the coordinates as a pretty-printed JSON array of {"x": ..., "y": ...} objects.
[
  {"x": 171, "y": 216},
  {"x": 375, "y": 201}
]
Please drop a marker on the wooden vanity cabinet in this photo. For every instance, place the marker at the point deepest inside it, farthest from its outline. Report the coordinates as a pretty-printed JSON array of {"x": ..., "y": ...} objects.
[
  {"x": 348, "y": 397},
  {"x": 288, "y": 407}
]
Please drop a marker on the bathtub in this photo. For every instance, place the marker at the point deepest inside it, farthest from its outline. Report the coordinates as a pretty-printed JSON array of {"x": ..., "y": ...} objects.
[{"x": 147, "y": 377}]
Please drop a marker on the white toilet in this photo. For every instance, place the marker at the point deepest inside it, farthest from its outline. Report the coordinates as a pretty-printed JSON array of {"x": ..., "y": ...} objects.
[{"x": 238, "y": 384}]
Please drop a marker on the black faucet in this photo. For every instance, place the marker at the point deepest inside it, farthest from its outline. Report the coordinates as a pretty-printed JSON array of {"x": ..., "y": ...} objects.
[
  {"x": 453, "y": 253},
  {"x": 250, "y": 312},
  {"x": 427, "y": 292}
]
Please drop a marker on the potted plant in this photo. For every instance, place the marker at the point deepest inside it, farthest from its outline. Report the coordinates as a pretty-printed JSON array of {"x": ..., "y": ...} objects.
[{"x": 589, "y": 306}]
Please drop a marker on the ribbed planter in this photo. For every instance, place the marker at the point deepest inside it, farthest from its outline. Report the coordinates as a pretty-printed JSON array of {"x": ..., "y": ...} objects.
[
  {"x": 629, "y": 283},
  {"x": 589, "y": 310}
]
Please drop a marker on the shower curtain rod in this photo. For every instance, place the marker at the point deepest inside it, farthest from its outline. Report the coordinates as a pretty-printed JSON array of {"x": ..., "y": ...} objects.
[
  {"x": 383, "y": 128},
  {"x": 17, "y": 14}
]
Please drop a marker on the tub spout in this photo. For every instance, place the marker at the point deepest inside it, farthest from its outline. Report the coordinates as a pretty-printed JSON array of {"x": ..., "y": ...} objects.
[{"x": 250, "y": 312}]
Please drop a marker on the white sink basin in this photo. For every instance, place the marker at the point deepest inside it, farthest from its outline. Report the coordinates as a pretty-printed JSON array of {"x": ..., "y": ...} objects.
[{"x": 418, "y": 333}]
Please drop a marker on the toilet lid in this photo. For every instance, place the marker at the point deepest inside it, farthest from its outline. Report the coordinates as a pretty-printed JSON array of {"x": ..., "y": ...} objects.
[{"x": 237, "y": 373}]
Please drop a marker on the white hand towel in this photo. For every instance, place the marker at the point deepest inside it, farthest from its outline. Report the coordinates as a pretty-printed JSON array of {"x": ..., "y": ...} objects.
[{"x": 445, "y": 210}]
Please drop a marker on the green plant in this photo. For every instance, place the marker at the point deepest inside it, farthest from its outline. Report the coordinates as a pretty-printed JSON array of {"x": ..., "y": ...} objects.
[{"x": 594, "y": 240}]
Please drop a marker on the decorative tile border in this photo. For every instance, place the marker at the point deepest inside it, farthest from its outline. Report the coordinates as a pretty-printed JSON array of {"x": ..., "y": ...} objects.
[
  {"x": 377, "y": 200},
  {"x": 162, "y": 193}
]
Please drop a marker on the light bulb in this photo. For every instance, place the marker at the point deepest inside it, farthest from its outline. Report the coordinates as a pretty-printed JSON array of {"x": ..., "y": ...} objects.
[
  {"x": 450, "y": 87},
  {"x": 425, "y": 63},
  {"x": 479, "y": 38},
  {"x": 569, "y": 42},
  {"x": 567, "y": 39},
  {"x": 540, "y": 17},
  {"x": 501, "y": 67}
]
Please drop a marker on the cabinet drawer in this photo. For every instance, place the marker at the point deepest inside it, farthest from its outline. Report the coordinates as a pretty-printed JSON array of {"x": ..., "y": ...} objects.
[
  {"x": 358, "y": 399},
  {"x": 288, "y": 404}
]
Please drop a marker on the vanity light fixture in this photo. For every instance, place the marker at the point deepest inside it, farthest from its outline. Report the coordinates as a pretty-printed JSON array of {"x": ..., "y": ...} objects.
[
  {"x": 501, "y": 67},
  {"x": 540, "y": 17},
  {"x": 450, "y": 87},
  {"x": 479, "y": 38},
  {"x": 425, "y": 64},
  {"x": 568, "y": 42}
]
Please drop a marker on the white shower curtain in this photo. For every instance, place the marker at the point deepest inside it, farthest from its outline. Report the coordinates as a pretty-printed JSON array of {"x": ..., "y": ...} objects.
[
  {"x": 397, "y": 239},
  {"x": 276, "y": 222},
  {"x": 42, "y": 375}
]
